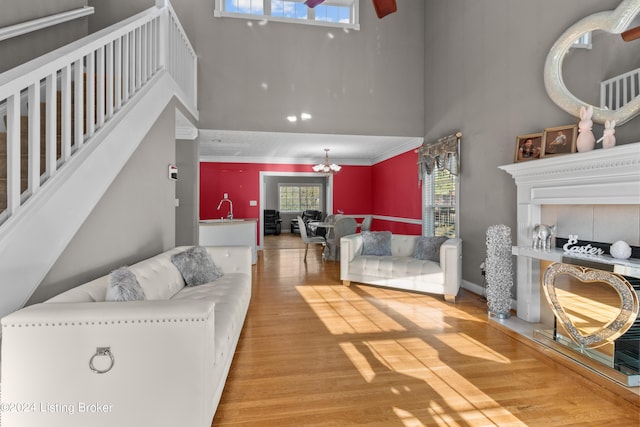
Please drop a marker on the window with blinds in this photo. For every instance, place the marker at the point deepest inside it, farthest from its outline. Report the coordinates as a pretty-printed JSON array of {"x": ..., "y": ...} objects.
[
  {"x": 298, "y": 198},
  {"x": 439, "y": 203}
]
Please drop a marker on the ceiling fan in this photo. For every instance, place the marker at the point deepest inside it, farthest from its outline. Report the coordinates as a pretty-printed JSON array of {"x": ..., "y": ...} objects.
[{"x": 382, "y": 7}]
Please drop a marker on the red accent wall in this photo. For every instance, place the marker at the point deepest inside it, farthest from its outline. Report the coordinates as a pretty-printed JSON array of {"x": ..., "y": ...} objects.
[
  {"x": 241, "y": 181},
  {"x": 352, "y": 188},
  {"x": 389, "y": 188},
  {"x": 397, "y": 194},
  {"x": 353, "y": 191}
]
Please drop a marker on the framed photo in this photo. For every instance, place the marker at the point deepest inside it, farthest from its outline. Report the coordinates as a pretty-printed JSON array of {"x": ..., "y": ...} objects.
[
  {"x": 559, "y": 140},
  {"x": 529, "y": 147}
]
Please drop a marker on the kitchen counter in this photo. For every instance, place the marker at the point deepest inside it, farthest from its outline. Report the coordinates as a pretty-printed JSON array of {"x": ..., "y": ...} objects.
[{"x": 230, "y": 232}]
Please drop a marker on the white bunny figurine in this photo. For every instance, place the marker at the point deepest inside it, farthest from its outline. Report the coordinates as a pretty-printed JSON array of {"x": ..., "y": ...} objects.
[
  {"x": 586, "y": 141},
  {"x": 608, "y": 137}
]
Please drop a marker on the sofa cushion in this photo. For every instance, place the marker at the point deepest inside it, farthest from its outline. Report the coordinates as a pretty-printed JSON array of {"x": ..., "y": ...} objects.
[
  {"x": 428, "y": 248},
  {"x": 157, "y": 275},
  {"x": 394, "y": 267},
  {"x": 196, "y": 266},
  {"x": 123, "y": 286},
  {"x": 376, "y": 243},
  {"x": 231, "y": 295}
]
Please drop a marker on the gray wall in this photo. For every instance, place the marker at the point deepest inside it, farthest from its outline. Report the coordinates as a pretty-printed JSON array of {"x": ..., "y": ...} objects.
[
  {"x": 134, "y": 220},
  {"x": 187, "y": 192},
  {"x": 108, "y": 12},
  {"x": 18, "y": 50},
  {"x": 484, "y": 76},
  {"x": 367, "y": 82}
]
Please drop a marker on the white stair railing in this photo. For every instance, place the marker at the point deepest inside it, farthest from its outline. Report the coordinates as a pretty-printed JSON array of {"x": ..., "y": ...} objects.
[
  {"x": 60, "y": 100},
  {"x": 182, "y": 61},
  {"x": 618, "y": 91}
]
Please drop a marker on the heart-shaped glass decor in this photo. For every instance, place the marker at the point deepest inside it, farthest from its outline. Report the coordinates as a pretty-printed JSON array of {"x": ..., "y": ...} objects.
[{"x": 594, "y": 306}]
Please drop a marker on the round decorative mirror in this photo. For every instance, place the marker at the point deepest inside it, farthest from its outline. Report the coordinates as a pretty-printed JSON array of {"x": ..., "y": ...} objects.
[{"x": 617, "y": 21}]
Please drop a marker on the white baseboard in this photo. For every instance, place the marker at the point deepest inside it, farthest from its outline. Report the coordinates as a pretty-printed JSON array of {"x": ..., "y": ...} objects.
[
  {"x": 473, "y": 287},
  {"x": 478, "y": 289}
]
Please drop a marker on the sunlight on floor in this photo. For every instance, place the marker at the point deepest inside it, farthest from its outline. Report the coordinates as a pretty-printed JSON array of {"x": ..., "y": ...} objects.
[
  {"x": 466, "y": 345},
  {"x": 407, "y": 418},
  {"x": 400, "y": 367},
  {"x": 351, "y": 315},
  {"x": 407, "y": 361}
]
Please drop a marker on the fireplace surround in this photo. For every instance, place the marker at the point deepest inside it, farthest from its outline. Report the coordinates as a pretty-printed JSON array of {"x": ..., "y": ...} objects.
[
  {"x": 595, "y": 195},
  {"x": 584, "y": 188}
]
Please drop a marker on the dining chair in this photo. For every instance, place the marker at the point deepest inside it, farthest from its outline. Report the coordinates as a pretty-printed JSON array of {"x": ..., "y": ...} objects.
[
  {"x": 344, "y": 227},
  {"x": 366, "y": 223},
  {"x": 308, "y": 240}
]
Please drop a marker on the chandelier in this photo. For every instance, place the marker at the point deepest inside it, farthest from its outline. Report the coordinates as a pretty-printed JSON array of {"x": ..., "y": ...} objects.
[{"x": 326, "y": 168}]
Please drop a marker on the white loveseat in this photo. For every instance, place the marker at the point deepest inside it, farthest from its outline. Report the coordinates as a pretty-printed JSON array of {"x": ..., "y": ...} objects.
[
  {"x": 401, "y": 270},
  {"x": 171, "y": 352}
]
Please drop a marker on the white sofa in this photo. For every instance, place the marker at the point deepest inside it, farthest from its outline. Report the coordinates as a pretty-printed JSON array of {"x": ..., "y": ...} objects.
[
  {"x": 171, "y": 352},
  {"x": 401, "y": 270}
]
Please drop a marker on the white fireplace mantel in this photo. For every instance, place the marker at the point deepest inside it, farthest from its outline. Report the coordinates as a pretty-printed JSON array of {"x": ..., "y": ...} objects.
[{"x": 599, "y": 177}]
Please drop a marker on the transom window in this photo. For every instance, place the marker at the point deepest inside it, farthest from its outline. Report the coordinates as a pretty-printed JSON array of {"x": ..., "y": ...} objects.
[
  {"x": 299, "y": 197},
  {"x": 337, "y": 13}
]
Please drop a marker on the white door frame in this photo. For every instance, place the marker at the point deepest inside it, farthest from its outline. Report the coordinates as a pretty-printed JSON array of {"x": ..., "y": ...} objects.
[{"x": 263, "y": 174}]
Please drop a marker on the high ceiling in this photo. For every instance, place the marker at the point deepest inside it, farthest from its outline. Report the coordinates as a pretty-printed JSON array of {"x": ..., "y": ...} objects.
[{"x": 283, "y": 147}]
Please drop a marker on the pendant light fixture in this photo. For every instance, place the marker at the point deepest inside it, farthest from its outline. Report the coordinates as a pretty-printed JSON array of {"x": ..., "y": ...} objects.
[{"x": 326, "y": 168}]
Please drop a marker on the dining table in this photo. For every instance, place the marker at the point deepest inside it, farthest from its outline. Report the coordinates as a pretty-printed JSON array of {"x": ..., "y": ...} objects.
[{"x": 328, "y": 225}]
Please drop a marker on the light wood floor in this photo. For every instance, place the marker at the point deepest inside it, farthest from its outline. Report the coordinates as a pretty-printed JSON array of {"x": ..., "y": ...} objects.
[{"x": 315, "y": 353}]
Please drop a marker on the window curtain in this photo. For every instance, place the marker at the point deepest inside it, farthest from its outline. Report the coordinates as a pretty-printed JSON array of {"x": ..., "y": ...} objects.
[{"x": 441, "y": 154}]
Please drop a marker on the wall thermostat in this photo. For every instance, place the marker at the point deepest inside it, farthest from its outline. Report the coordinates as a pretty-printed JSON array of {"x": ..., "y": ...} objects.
[{"x": 173, "y": 172}]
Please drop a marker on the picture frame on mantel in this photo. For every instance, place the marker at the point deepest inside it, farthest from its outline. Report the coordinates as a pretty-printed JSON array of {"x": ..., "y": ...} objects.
[
  {"x": 529, "y": 147},
  {"x": 559, "y": 140}
]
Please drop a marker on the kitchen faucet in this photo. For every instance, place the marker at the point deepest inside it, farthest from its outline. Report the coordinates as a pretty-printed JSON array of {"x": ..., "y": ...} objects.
[{"x": 226, "y": 199}]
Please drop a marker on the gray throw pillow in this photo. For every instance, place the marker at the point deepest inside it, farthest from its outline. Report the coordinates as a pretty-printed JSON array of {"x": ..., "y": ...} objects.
[
  {"x": 123, "y": 286},
  {"x": 376, "y": 243},
  {"x": 196, "y": 266},
  {"x": 428, "y": 248}
]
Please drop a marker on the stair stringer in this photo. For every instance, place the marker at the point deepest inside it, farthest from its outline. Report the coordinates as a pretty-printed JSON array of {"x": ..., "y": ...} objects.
[{"x": 32, "y": 240}]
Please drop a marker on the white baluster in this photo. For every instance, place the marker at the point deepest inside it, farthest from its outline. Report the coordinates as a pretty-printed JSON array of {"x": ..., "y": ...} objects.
[
  {"x": 51, "y": 133},
  {"x": 78, "y": 103},
  {"x": 13, "y": 153},
  {"x": 33, "y": 105},
  {"x": 65, "y": 112}
]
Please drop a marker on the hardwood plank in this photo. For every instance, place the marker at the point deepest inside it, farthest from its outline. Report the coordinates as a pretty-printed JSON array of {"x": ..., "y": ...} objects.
[{"x": 316, "y": 353}]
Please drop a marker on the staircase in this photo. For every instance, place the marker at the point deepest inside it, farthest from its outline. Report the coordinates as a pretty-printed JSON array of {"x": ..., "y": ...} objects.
[
  {"x": 620, "y": 90},
  {"x": 24, "y": 149},
  {"x": 62, "y": 143}
]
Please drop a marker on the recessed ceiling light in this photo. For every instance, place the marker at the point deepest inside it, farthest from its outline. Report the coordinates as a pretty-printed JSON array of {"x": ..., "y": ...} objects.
[
  {"x": 292, "y": 119},
  {"x": 305, "y": 116}
]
